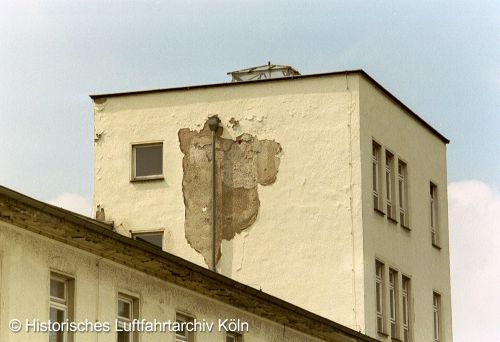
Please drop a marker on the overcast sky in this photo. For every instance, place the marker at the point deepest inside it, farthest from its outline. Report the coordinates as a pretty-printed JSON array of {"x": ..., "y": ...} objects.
[{"x": 441, "y": 58}]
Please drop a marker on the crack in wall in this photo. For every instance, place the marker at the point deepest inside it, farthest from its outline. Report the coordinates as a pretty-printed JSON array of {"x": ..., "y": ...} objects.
[{"x": 242, "y": 164}]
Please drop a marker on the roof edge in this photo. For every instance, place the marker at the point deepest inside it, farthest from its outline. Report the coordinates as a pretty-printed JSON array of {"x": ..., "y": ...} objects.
[
  {"x": 214, "y": 85},
  {"x": 281, "y": 79}
]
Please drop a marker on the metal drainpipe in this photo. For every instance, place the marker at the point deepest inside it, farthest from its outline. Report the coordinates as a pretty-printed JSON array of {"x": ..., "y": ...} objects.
[{"x": 213, "y": 123}]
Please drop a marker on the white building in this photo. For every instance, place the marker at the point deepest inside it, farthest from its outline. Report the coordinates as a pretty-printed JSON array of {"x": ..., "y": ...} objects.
[
  {"x": 331, "y": 193},
  {"x": 58, "y": 267}
]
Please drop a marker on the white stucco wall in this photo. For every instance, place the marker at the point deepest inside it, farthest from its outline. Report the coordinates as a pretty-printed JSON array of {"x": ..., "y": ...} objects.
[
  {"x": 306, "y": 244},
  {"x": 27, "y": 260},
  {"x": 409, "y": 252}
]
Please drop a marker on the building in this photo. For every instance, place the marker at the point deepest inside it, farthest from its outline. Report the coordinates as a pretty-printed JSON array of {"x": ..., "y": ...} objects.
[
  {"x": 60, "y": 266},
  {"x": 331, "y": 193}
]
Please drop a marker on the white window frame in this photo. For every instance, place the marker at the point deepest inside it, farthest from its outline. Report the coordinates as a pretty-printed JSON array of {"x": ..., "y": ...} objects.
[
  {"x": 434, "y": 215},
  {"x": 436, "y": 306},
  {"x": 393, "y": 302},
  {"x": 380, "y": 296},
  {"x": 406, "y": 301},
  {"x": 403, "y": 192},
  {"x": 63, "y": 304},
  {"x": 376, "y": 176},
  {"x": 187, "y": 336},
  {"x": 135, "y": 234},
  {"x": 133, "y": 303},
  {"x": 134, "y": 147},
  {"x": 390, "y": 184}
]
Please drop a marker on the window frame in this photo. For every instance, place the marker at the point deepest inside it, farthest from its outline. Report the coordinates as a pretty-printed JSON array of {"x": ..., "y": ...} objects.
[
  {"x": 134, "y": 314},
  {"x": 403, "y": 194},
  {"x": 437, "y": 319},
  {"x": 380, "y": 297},
  {"x": 434, "y": 213},
  {"x": 390, "y": 186},
  {"x": 189, "y": 335},
  {"x": 66, "y": 304},
  {"x": 133, "y": 161},
  {"x": 135, "y": 234},
  {"x": 406, "y": 308},
  {"x": 377, "y": 183},
  {"x": 393, "y": 302},
  {"x": 237, "y": 337}
]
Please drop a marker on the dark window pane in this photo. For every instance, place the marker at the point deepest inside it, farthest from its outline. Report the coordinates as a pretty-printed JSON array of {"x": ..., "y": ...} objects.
[
  {"x": 57, "y": 288},
  {"x": 123, "y": 336},
  {"x": 148, "y": 160},
  {"x": 123, "y": 309},
  {"x": 56, "y": 337},
  {"x": 56, "y": 315},
  {"x": 154, "y": 239}
]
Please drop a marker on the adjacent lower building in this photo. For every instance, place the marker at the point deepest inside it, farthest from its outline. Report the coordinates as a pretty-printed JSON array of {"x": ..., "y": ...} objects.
[
  {"x": 330, "y": 193},
  {"x": 58, "y": 267}
]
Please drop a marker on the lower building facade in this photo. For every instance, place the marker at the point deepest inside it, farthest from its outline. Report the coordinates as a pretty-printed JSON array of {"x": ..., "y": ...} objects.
[{"x": 58, "y": 268}]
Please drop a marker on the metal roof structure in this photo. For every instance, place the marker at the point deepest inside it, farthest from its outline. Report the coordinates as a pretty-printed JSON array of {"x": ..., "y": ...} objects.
[{"x": 263, "y": 72}]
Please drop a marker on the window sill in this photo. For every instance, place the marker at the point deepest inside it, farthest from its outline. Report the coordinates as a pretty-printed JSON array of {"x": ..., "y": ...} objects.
[
  {"x": 383, "y": 333},
  {"x": 147, "y": 179},
  {"x": 396, "y": 339},
  {"x": 380, "y": 212},
  {"x": 392, "y": 219},
  {"x": 405, "y": 227},
  {"x": 436, "y": 246}
]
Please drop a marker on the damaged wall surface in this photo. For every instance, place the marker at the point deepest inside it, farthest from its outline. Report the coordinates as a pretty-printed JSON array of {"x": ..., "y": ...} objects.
[{"x": 242, "y": 164}]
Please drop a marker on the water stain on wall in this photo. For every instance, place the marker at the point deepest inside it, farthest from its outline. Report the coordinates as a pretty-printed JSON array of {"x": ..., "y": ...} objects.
[{"x": 242, "y": 164}]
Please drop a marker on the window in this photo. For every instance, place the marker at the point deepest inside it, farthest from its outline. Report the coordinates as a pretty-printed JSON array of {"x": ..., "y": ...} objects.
[
  {"x": 389, "y": 183},
  {"x": 436, "y": 304},
  {"x": 184, "y": 335},
  {"x": 147, "y": 161},
  {"x": 61, "y": 305},
  {"x": 405, "y": 289},
  {"x": 376, "y": 175},
  {"x": 403, "y": 193},
  {"x": 393, "y": 302},
  {"x": 233, "y": 337},
  {"x": 379, "y": 293},
  {"x": 154, "y": 238},
  {"x": 434, "y": 214},
  {"x": 128, "y": 310}
]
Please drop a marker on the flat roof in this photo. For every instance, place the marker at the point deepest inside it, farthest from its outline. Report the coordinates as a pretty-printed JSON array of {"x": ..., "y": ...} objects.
[
  {"x": 289, "y": 78},
  {"x": 98, "y": 238}
]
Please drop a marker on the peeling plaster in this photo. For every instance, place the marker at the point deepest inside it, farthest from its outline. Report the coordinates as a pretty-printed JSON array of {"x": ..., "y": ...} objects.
[
  {"x": 242, "y": 164},
  {"x": 100, "y": 104}
]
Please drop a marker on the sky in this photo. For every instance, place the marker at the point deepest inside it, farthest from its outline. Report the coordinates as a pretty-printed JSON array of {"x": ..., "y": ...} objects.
[{"x": 441, "y": 58}]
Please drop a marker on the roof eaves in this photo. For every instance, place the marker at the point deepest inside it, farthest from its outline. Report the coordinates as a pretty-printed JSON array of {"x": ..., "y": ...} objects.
[
  {"x": 215, "y": 85},
  {"x": 52, "y": 209}
]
